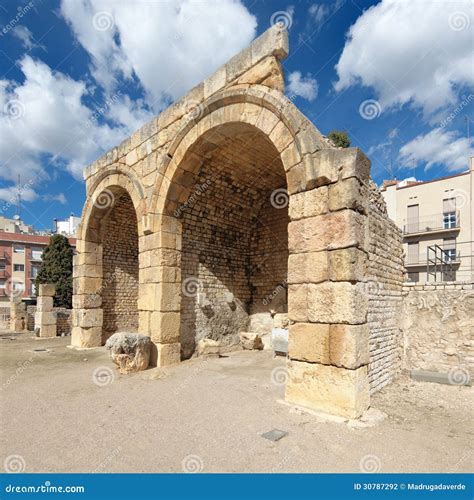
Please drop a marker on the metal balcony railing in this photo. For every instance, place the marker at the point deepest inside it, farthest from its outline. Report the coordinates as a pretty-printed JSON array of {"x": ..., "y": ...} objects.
[{"x": 435, "y": 222}]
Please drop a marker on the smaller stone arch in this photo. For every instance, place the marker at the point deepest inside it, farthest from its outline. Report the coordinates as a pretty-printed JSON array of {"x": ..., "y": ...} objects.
[{"x": 106, "y": 269}]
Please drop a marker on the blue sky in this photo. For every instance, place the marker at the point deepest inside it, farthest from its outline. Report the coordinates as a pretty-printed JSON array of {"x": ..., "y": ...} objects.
[{"x": 78, "y": 76}]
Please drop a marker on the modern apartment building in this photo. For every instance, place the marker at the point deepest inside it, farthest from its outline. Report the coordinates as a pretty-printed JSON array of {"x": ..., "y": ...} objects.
[
  {"x": 20, "y": 258},
  {"x": 436, "y": 218}
]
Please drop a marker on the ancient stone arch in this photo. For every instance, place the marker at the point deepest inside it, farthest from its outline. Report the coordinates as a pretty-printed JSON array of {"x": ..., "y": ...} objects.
[{"x": 227, "y": 210}]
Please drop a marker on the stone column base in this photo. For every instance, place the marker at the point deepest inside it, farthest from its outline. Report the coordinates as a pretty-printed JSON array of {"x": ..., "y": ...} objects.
[
  {"x": 328, "y": 389},
  {"x": 165, "y": 354},
  {"x": 86, "y": 337}
]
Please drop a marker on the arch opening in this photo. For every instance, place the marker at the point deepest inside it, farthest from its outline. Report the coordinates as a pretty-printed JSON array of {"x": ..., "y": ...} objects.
[
  {"x": 232, "y": 202},
  {"x": 114, "y": 229}
]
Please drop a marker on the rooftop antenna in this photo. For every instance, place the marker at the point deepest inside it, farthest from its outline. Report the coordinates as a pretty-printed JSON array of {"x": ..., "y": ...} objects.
[{"x": 18, "y": 208}]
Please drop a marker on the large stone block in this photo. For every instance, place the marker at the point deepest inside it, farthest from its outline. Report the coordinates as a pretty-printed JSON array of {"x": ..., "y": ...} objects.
[
  {"x": 338, "y": 302},
  {"x": 309, "y": 204},
  {"x": 44, "y": 304},
  {"x": 332, "y": 165},
  {"x": 47, "y": 331},
  {"x": 334, "y": 230},
  {"x": 348, "y": 193},
  {"x": 348, "y": 264},
  {"x": 298, "y": 303},
  {"x": 47, "y": 290},
  {"x": 165, "y": 327},
  {"x": 308, "y": 267},
  {"x": 168, "y": 354},
  {"x": 328, "y": 389},
  {"x": 349, "y": 345},
  {"x": 90, "y": 301},
  {"x": 87, "y": 318},
  {"x": 309, "y": 342},
  {"x": 44, "y": 318},
  {"x": 86, "y": 337}
]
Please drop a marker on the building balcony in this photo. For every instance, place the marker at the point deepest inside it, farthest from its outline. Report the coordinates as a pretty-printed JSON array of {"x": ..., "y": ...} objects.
[
  {"x": 433, "y": 224},
  {"x": 3, "y": 255},
  {"x": 3, "y": 273}
]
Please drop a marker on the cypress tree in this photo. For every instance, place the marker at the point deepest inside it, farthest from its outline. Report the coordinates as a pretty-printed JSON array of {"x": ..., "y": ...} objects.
[{"x": 56, "y": 268}]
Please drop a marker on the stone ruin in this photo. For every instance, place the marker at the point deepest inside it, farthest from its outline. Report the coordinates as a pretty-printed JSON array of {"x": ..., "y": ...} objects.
[{"x": 230, "y": 212}]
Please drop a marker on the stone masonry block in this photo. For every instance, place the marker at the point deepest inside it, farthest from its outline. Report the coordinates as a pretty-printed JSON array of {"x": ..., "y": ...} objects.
[
  {"x": 348, "y": 264},
  {"x": 309, "y": 204},
  {"x": 337, "y": 302},
  {"x": 47, "y": 290},
  {"x": 44, "y": 304},
  {"x": 86, "y": 337},
  {"x": 308, "y": 267},
  {"x": 165, "y": 327},
  {"x": 328, "y": 389},
  {"x": 44, "y": 319},
  {"x": 348, "y": 193},
  {"x": 47, "y": 331},
  {"x": 342, "y": 229},
  {"x": 349, "y": 345},
  {"x": 88, "y": 318},
  {"x": 309, "y": 342}
]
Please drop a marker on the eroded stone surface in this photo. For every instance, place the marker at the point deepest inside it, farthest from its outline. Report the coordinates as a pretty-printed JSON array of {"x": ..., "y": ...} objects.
[{"x": 129, "y": 351}]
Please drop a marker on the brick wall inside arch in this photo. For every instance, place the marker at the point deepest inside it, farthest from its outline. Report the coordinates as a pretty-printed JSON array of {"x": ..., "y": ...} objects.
[{"x": 119, "y": 289}]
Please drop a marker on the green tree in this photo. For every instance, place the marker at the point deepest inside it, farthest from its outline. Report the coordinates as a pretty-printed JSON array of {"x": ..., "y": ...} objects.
[
  {"x": 56, "y": 268},
  {"x": 339, "y": 138}
]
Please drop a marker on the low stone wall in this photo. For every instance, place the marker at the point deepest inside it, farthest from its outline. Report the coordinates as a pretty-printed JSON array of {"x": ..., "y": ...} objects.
[
  {"x": 63, "y": 319},
  {"x": 437, "y": 322}
]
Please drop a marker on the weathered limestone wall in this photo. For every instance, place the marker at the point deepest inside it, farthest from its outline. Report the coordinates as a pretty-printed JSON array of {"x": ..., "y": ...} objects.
[
  {"x": 438, "y": 323},
  {"x": 120, "y": 268},
  {"x": 384, "y": 288}
]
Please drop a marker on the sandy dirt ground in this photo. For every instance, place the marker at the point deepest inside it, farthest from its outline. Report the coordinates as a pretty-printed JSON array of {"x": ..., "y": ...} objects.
[{"x": 64, "y": 410}]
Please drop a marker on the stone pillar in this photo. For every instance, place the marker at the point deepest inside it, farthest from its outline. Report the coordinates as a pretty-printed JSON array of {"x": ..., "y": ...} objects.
[
  {"x": 327, "y": 303},
  {"x": 18, "y": 316},
  {"x": 87, "y": 315},
  {"x": 159, "y": 299},
  {"x": 45, "y": 318}
]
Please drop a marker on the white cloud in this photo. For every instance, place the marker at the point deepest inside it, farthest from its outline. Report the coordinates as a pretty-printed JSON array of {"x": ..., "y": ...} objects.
[
  {"x": 438, "y": 147},
  {"x": 25, "y": 36},
  {"x": 44, "y": 118},
  {"x": 415, "y": 51},
  {"x": 320, "y": 13},
  {"x": 60, "y": 198},
  {"x": 303, "y": 86},
  {"x": 168, "y": 46}
]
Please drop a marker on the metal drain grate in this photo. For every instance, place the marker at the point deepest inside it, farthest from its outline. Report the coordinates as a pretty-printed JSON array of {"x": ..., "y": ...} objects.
[{"x": 275, "y": 435}]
